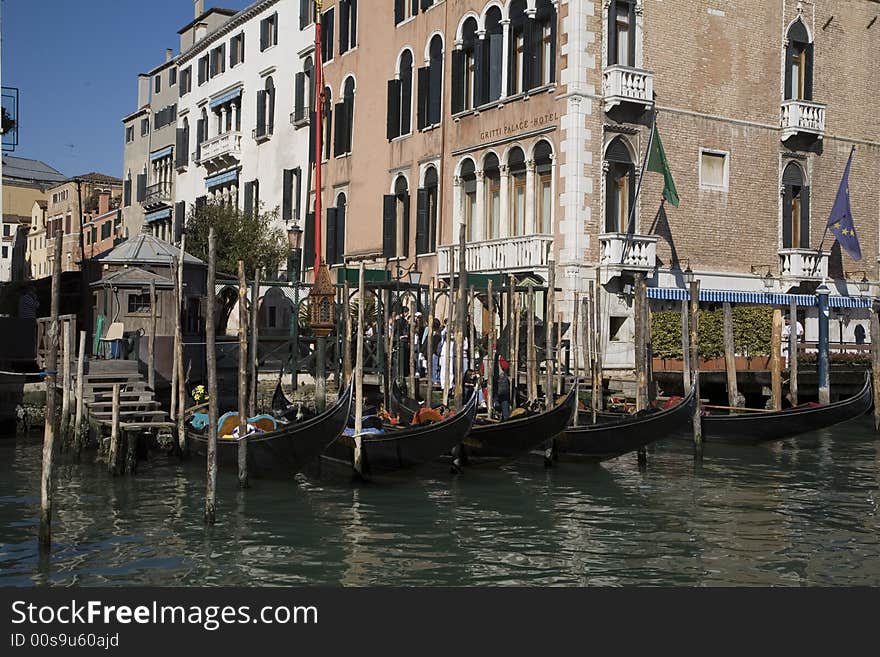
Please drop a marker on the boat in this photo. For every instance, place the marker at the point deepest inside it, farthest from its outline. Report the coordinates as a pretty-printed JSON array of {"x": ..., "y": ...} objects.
[
  {"x": 600, "y": 442},
  {"x": 754, "y": 428},
  {"x": 285, "y": 451},
  {"x": 501, "y": 441},
  {"x": 402, "y": 449}
]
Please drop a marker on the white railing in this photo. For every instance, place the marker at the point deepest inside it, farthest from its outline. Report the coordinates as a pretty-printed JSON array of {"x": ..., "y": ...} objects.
[
  {"x": 628, "y": 251},
  {"x": 802, "y": 116},
  {"x": 222, "y": 146},
  {"x": 623, "y": 84},
  {"x": 803, "y": 263},
  {"x": 506, "y": 253}
]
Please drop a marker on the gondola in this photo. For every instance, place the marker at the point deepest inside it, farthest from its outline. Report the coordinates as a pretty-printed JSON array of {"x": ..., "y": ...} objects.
[
  {"x": 600, "y": 442},
  {"x": 283, "y": 452},
  {"x": 754, "y": 428},
  {"x": 502, "y": 441},
  {"x": 401, "y": 449}
]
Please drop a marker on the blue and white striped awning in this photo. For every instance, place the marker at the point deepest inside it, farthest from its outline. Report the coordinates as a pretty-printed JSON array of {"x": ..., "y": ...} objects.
[
  {"x": 162, "y": 152},
  {"x": 756, "y": 298},
  {"x": 221, "y": 178},
  {"x": 158, "y": 215},
  {"x": 225, "y": 98}
]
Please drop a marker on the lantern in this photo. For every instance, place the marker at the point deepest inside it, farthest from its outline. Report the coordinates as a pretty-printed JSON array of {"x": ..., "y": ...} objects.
[{"x": 322, "y": 299}]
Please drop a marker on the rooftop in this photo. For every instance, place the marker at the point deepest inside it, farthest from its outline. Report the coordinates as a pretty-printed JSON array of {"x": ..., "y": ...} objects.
[
  {"x": 134, "y": 277},
  {"x": 145, "y": 249},
  {"x": 208, "y": 12},
  {"x": 22, "y": 168}
]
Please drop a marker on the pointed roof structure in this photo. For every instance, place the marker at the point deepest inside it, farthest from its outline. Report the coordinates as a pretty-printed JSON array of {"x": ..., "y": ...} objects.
[
  {"x": 146, "y": 249},
  {"x": 135, "y": 277}
]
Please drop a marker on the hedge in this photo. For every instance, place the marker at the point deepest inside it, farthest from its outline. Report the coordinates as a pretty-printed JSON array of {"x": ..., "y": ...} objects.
[{"x": 752, "y": 326}]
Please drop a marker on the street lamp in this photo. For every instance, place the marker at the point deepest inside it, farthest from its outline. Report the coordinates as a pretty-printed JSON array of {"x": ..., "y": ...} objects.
[
  {"x": 294, "y": 258},
  {"x": 767, "y": 279},
  {"x": 863, "y": 284},
  {"x": 688, "y": 275},
  {"x": 415, "y": 277}
]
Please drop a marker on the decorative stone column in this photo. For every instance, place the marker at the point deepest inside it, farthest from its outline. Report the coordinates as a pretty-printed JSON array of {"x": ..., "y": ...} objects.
[
  {"x": 479, "y": 229},
  {"x": 505, "y": 55},
  {"x": 222, "y": 129},
  {"x": 530, "y": 197},
  {"x": 505, "y": 227}
]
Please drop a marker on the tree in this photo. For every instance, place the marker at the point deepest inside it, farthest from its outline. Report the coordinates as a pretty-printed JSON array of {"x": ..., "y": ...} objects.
[
  {"x": 252, "y": 237},
  {"x": 8, "y": 122}
]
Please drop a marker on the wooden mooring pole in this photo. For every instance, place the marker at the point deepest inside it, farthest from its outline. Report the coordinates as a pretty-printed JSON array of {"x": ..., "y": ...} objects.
[
  {"x": 640, "y": 302},
  {"x": 175, "y": 318},
  {"x": 47, "y": 478},
  {"x": 255, "y": 344},
  {"x": 113, "y": 454},
  {"x": 875, "y": 363},
  {"x": 730, "y": 356},
  {"x": 78, "y": 421},
  {"x": 531, "y": 363},
  {"x": 686, "y": 347},
  {"x": 695, "y": 361},
  {"x": 515, "y": 360},
  {"x": 429, "y": 350},
  {"x": 460, "y": 315},
  {"x": 549, "y": 303},
  {"x": 776, "y": 361},
  {"x": 67, "y": 354},
  {"x": 359, "y": 379},
  {"x": 793, "y": 352},
  {"x": 242, "y": 377},
  {"x": 211, "y": 357},
  {"x": 151, "y": 340},
  {"x": 489, "y": 367},
  {"x": 346, "y": 318}
]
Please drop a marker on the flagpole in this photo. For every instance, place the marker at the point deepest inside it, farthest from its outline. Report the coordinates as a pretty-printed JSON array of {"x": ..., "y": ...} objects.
[
  {"x": 630, "y": 224},
  {"x": 825, "y": 232}
]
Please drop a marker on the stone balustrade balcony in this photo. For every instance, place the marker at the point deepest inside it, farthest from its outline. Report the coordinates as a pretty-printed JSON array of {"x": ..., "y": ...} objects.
[
  {"x": 802, "y": 117},
  {"x": 624, "y": 84},
  {"x": 520, "y": 253},
  {"x": 803, "y": 264},
  {"x": 220, "y": 152},
  {"x": 628, "y": 252}
]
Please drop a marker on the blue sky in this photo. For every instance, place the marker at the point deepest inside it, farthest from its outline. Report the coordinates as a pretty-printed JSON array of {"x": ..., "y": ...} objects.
[{"x": 76, "y": 64}]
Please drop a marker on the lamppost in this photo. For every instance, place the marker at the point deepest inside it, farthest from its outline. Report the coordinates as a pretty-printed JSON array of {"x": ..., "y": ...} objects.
[{"x": 294, "y": 258}]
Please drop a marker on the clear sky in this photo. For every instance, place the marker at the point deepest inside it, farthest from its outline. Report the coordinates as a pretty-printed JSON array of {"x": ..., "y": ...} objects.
[{"x": 76, "y": 64}]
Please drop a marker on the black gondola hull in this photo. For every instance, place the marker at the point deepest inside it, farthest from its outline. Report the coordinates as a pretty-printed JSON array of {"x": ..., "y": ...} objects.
[
  {"x": 755, "y": 428},
  {"x": 284, "y": 452},
  {"x": 601, "y": 442},
  {"x": 405, "y": 448}
]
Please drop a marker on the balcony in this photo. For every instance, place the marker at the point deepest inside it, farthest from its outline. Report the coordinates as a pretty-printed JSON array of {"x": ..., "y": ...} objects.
[
  {"x": 628, "y": 252},
  {"x": 220, "y": 152},
  {"x": 803, "y": 264},
  {"x": 523, "y": 253},
  {"x": 157, "y": 195},
  {"x": 624, "y": 84},
  {"x": 802, "y": 117}
]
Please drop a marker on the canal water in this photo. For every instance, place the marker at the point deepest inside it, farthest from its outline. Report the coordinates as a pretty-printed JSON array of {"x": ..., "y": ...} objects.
[{"x": 799, "y": 512}]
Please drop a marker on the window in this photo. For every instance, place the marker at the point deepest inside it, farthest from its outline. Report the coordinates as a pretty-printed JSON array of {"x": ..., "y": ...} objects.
[
  {"x": 491, "y": 53},
  {"x": 545, "y": 53},
  {"x": 126, "y": 191},
  {"x": 129, "y": 134},
  {"x": 328, "y": 122},
  {"x": 203, "y": 69},
  {"x": 713, "y": 170},
  {"x": 304, "y": 91},
  {"x": 236, "y": 50},
  {"x": 466, "y": 69},
  {"x": 619, "y": 186},
  {"x": 469, "y": 200},
  {"x": 516, "y": 163},
  {"x": 106, "y": 227},
  {"x": 544, "y": 188},
  {"x": 182, "y": 145},
  {"x": 431, "y": 86},
  {"x": 5, "y": 251},
  {"x": 518, "y": 55},
  {"x": 795, "y": 209},
  {"x": 395, "y": 220},
  {"x": 269, "y": 32},
  {"x": 400, "y": 98},
  {"x": 347, "y": 25},
  {"x": 405, "y": 9},
  {"x": 138, "y": 304},
  {"x": 426, "y": 214},
  {"x": 345, "y": 118},
  {"x": 492, "y": 201},
  {"x": 201, "y": 133},
  {"x": 145, "y": 127},
  {"x": 252, "y": 197},
  {"x": 798, "y": 63},
  {"x": 336, "y": 231},
  {"x": 291, "y": 194},
  {"x": 327, "y": 35},
  {"x": 6, "y": 230},
  {"x": 185, "y": 81},
  {"x": 306, "y": 13},
  {"x": 622, "y": 33},
  {"x": 157, "y": 84},
  {"x": 266, "y": 110},
  {"x": 172, "y": 76},
  {"x": 218, "y": 60}
]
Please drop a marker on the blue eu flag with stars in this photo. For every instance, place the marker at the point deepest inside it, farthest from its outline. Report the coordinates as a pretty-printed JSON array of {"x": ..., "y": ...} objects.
[{"x": 840, "y": 223}]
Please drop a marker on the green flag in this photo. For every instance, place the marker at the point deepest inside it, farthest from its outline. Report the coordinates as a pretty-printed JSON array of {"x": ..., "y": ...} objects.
[{"x": 657, "y": 162}]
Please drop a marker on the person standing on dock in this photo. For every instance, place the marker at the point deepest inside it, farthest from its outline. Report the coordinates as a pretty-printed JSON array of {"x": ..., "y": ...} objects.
[{"x": 786, "y": 332}]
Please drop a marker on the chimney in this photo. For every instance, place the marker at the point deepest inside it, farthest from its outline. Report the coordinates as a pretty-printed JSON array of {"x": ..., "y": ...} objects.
[
  {"x": 103, "y": 202},
  {"x": 169, "y": 54},
  {"x": 199, "y": 7},
  {"x": 143, "y": 90}
]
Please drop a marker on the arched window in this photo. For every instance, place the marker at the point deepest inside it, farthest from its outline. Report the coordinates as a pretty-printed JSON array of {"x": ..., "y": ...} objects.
[
  {"x": 395, "y": 220},
  {"x": 491, "y": 53},
  {"x": 345, "y": 118},
  {"x": 399, "y": 120},
  {"x": 431, "y": 85},
  {"x": 426, "y": 213},
  {"x": 619, "y": 186},
  {"x": 466, "y": 69},
  {"x": 545, "y": 52},
  {"x": 336, "y": 231},
  {"x": 622, "y": 33},
  {"x": 468, "y": 178},
  {"x": 543, "y": 187},
  {"x": 328, "y": 122},
  {"x": 492, "y": 202},
  {"x": 798, "y": 63},
  {"x": 516, "y": 163},
  {"x": 795, "y": 208},
  {"x": 517, "y": 56}
]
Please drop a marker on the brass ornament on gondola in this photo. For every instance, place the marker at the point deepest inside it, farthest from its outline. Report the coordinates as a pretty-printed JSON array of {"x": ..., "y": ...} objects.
[{"x": 322, "y": 303}]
